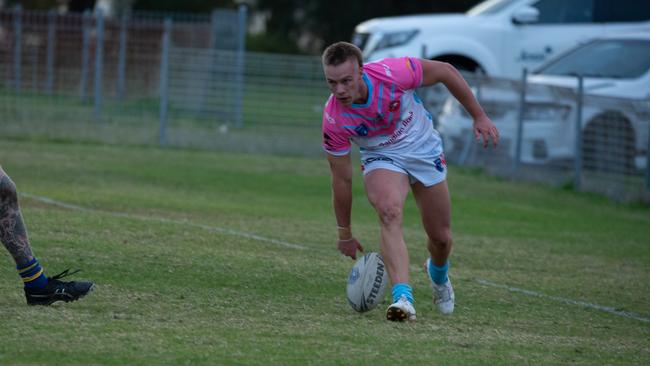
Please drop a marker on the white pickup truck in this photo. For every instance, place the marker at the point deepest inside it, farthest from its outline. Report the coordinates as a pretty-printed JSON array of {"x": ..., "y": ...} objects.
[{"x": 500, "y": 37}]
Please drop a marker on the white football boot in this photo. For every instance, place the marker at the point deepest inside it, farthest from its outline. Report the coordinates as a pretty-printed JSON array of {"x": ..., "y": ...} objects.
[
  {"x": 401, "y": 310},
  {"x": 443, "y": 295}
]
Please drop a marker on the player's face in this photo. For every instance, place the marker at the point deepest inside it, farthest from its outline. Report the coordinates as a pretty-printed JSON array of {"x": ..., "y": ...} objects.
[{"x": 344, "y": 81}]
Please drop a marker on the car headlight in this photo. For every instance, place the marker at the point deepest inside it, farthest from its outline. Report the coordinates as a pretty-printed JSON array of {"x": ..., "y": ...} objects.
[
  {"x": 546, "y": 112},
  {"x": 495, "y": 110},
  {"x": 394, "y": 39}
]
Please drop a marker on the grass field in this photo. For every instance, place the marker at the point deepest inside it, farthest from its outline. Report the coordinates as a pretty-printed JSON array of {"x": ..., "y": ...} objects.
[{"x": 204, "y": 258}]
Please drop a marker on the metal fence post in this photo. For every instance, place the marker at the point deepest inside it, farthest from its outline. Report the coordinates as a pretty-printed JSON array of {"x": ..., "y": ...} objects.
[
  {"x": 239, "y": 76},
  {"x": 121, "y": 63},
  {"x": 164, "y": 80},
  {"x": 33, "y": 57},
  {"x": 647, "y": 169},
  {"x": 85, "y": 56},
  {"x": 424, "y": 96},
  {"x": 577, "y": 155},
  {"x": 99, "y": 64},
  {"x": 520, "y": 121},
  {"x": 51, "y": 46},
  {"x": 18, "y": 44},
  {"x": 214, "y": 36}
]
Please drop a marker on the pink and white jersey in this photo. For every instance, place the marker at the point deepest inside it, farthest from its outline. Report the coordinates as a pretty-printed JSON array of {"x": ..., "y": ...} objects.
[{"x": 393, "y": 117}]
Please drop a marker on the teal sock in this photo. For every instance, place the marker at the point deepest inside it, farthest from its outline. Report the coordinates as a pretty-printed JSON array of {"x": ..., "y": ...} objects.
[
  {"x": 400, "y": 289},
  {"x": 439, "y": 274},
  {"x": 32, "y": 274}
]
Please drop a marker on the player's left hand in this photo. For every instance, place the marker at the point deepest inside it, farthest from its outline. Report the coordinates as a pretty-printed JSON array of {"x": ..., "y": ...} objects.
[
  {"x": 349, "y": 247},
  {"x": 484, "y": 129}
]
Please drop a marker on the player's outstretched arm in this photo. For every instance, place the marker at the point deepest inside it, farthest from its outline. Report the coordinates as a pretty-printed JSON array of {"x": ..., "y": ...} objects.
[
  {"x": 434, "y": 72},
  {"x": 341, "y": 170}
]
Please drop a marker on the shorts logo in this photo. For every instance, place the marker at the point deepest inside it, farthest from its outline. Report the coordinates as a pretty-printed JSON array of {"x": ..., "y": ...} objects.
[
  {"x": 440, "y": 164},
  {"x": 380, "y": 158},
  {"x": 372, "y": 160},
  {"x": 394, "y": 105},
  {"x": 361, "y": 130}
]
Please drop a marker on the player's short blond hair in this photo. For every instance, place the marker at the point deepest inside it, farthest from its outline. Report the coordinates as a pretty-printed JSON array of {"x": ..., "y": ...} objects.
[{"x": 339, "y": 52}]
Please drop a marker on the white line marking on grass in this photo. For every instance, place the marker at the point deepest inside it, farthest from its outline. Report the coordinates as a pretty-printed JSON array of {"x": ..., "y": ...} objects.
[
  {"x": 607, "y": 309},
  {"x": 218, "y": 229},
  {"x": 610, "y": 310}
]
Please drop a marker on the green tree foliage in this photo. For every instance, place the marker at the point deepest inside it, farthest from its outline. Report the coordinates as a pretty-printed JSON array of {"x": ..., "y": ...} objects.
[
  {"x": 334, "y": 20},
  {"x": 74, "y": 6},
  {"x": 34, "y": 4},
  {"x": 185, "y": 6}
]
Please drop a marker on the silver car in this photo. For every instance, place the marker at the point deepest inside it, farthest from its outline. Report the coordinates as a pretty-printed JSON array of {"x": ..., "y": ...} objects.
[{"x": 615, "y": 114}]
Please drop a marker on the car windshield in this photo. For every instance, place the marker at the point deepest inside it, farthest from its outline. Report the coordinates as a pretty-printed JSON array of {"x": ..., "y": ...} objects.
[
  {"x": 617, "y": 59},
  {"x": 489, "y": 7}
]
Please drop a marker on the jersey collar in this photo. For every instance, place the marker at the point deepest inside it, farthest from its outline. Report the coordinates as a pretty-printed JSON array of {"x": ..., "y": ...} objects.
[{"x": 366, "y": 80}]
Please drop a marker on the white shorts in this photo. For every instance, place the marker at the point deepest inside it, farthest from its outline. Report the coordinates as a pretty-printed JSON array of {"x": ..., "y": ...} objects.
[{"x": 428, "y": 169}]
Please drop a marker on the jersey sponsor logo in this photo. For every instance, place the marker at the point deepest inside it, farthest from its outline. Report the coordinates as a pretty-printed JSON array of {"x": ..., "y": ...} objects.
[
  {"x": 394, "y": 105},
  {"x": 405, "y": 122},
  {"x": 361, "y": 130}
]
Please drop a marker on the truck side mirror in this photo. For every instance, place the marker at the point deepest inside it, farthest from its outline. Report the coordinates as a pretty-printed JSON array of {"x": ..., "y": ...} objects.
[{"x": 525, "y": 15}]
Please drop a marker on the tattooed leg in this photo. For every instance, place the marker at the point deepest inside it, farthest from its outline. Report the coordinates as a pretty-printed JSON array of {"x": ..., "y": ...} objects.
[{"x": 13, "y": 233}]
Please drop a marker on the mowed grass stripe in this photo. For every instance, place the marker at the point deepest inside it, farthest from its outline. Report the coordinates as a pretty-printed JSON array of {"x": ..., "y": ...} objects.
[
  {"x": 174, "y": 294},
  {"x": 625, "y": 314},
  {"x": 169, "y": 221},
  {"x": 146, "y": 320}
]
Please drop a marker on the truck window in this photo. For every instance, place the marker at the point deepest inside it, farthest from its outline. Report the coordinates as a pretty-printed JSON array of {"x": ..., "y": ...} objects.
[
  {"x": 622, "y": 10},
  {"x": 562, "y": 11},
  {"x": 617, "y": 59}
]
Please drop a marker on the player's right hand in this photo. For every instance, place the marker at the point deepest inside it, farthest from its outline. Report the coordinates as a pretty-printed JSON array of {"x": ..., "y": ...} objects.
[{"x": 349, "y": 247}]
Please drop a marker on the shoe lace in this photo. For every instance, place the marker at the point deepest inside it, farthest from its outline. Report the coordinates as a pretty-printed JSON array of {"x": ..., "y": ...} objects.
[
  {"x": 442, "y": 294},
  {"x": 64, "y": 274}
]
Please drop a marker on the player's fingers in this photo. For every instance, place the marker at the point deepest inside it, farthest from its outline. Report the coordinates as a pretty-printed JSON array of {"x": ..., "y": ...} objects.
[
  {"x": 349, "y": 249},
  {"x": 486, "y": 138},
  {"x": 477, "y": 134},
  {"x": 495, "y": 138}
]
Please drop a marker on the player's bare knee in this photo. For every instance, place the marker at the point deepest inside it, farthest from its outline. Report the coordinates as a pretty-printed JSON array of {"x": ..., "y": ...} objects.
[
  {"x": 440, "y": 240},
  {"x": 389, "y": 214}
]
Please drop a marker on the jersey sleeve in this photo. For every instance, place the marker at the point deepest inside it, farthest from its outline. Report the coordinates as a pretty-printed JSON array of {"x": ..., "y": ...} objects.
[
  {"x": 406, "y": 72},
  {"x": 334, "y": 141}
]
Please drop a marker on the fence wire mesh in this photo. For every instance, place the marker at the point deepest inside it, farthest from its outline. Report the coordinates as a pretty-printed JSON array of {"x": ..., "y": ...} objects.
[
  {"x": 558, "y": 136},
  {"x": 137, "y": 80}
]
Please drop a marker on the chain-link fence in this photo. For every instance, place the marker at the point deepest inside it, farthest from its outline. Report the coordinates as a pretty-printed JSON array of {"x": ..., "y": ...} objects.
[
  {"x": 173, "y": 79},
  {"x": 181, "y": 80},
  {"x": 557, "y": 135}
]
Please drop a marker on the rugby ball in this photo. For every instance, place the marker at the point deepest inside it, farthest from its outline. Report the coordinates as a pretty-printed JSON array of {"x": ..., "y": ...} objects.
[{"x": 367, "y": 282}]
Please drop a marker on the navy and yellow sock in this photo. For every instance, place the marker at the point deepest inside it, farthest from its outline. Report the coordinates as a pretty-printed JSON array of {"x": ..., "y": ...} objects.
[{"x": 32, "y": 274}]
